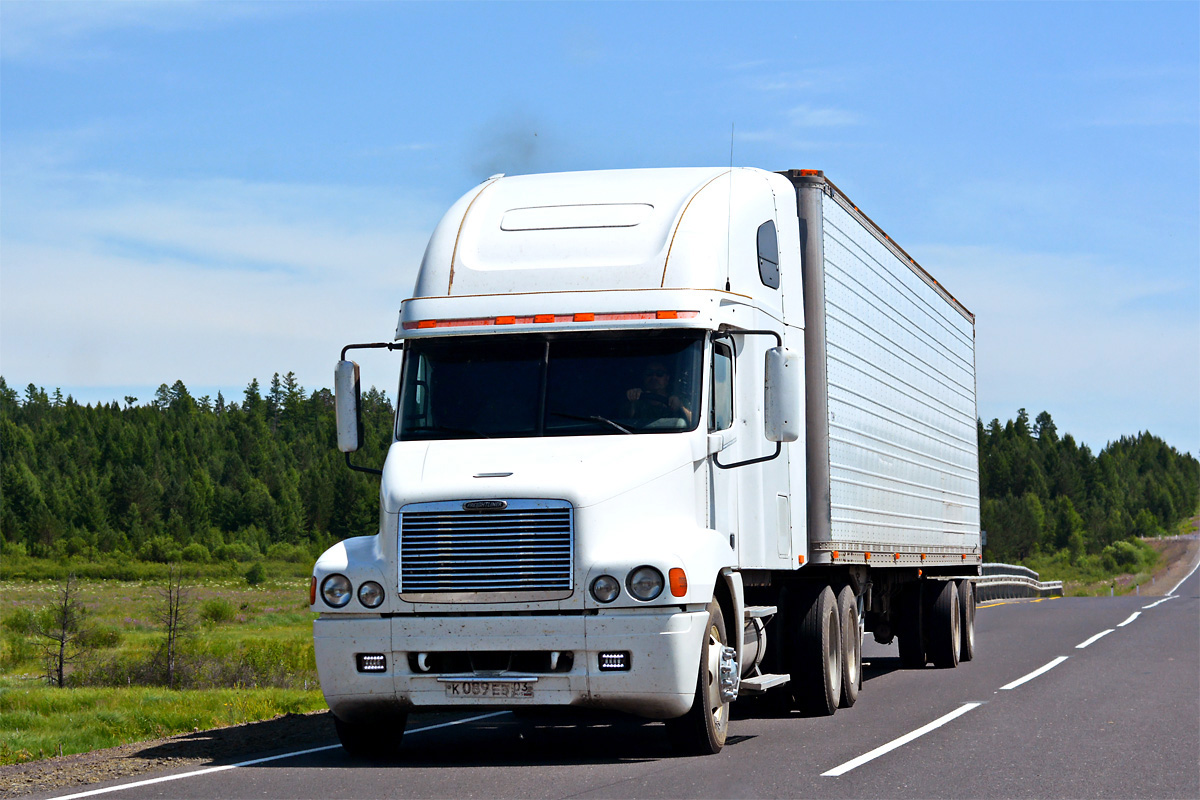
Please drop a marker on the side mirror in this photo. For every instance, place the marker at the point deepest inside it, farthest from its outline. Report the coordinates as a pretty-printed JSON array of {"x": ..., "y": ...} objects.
[
  {"x": 783, "y": 401},
  {"x": 347, "y": 407}
]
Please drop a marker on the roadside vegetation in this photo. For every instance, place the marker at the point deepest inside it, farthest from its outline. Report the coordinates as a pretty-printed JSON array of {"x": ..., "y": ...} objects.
[
  {"x": 1050, "y": 504},
  {"x": 154, "y": 558}
]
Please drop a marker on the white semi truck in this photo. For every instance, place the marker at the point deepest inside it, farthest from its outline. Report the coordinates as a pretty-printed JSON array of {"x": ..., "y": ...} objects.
[{"x": 650, "y": 421}]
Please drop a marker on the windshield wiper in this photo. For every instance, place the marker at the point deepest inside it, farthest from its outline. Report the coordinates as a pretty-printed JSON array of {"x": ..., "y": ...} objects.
[
  {"x": 446, "y": 429},
  {"x": 593, "y": 418}
]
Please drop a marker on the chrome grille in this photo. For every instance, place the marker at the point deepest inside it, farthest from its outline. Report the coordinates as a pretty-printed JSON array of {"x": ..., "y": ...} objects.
[{"x": 526, "y": 546}]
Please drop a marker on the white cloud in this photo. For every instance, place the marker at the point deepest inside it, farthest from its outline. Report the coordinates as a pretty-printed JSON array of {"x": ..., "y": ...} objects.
[
  {"x": 68, "y": 30},
  {"x": 1066, "y": 334},
  {"x": 809, "y": 117},
  {"x": 109, "y": 281}
]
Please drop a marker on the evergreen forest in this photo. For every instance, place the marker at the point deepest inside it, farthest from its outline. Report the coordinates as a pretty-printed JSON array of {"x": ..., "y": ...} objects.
[{"x": 180, "y": 478}]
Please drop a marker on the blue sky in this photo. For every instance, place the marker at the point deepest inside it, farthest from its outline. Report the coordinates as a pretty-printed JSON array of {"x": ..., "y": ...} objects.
[{"x": 216, "y": 192}]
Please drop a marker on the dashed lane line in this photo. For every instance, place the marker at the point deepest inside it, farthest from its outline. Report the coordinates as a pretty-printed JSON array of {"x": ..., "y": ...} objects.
[
  {"x": 1088, "y": 641},
  {"x": 1033, "y": 674},
  {"x": 252, "y": 762},
  {"x": 1158, "y": 602},
  {"x": 900, "y": 742},
  {"x": 1132, "y": 617}
]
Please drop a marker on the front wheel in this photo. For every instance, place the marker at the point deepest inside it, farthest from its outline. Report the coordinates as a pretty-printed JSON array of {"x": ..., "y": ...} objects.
[
  {"x": 702, "y": 730},
  {"x": 371, "y": 740}
]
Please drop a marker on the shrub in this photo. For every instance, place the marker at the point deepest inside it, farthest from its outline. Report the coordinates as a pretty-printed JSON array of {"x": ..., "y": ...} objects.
[
  {"x": 217, "y": 610},
  {"x": 161, "y": 549},
  {"x": 256, "y": 574},
  {"x": 100, "y": 636},
  {"x": 20, "y": 620},
  {"x": 237, "y": 551},
  {"x": 282, "y": 551},
  {"x": 196, "y": 552}
]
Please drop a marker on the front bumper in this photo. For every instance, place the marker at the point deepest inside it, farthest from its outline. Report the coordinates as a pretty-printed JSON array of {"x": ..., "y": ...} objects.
[{"x": 663, "y": 646}]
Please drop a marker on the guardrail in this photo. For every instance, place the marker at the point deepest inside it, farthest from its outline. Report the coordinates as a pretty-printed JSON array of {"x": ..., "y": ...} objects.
[{"x": 1005, "y": 581}]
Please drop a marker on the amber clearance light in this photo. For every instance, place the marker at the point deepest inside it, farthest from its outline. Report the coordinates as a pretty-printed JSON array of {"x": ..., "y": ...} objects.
[{"x": 541, "y": 319}]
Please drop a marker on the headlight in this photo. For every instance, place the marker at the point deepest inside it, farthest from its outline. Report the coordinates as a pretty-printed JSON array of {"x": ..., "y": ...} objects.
[
  {"x": 605, "y": 589},
  {"x": 336, "y": 590},
  {"x": 370, "y": 594},
  {"x": 645, "y": 583}
]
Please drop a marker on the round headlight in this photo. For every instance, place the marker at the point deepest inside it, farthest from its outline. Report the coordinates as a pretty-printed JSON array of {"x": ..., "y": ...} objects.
[
  {"x": 645, "y": 583},
  {"x": 605, "y": 589},
  {"x": 336, "y": 590},
  {"x": 370, "y": 594}
]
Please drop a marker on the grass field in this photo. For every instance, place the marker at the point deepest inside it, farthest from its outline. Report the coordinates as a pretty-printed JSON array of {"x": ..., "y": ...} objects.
[{"x": 248, "y": 655}]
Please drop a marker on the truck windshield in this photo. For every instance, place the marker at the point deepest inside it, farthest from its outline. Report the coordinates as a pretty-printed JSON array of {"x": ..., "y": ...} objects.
[{"x": 517, "y": 386}]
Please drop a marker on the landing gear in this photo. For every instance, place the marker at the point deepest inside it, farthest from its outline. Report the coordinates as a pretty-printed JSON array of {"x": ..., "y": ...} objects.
[
  {"x": 908, "y": 627},
  {"x": 702, "y": 730},
  {"x": 376, "y": 739}
]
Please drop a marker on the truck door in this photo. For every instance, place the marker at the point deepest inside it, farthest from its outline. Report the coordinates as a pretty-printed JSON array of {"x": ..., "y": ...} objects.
[{"x": 723, "y": 495}]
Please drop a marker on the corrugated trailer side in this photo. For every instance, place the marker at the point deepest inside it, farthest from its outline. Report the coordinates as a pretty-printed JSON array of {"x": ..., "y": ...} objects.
[{"x": 891, "y": 447}]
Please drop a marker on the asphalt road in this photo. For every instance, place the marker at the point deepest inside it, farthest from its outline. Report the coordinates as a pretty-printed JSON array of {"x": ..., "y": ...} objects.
[{"x": 1119, "y": 717}]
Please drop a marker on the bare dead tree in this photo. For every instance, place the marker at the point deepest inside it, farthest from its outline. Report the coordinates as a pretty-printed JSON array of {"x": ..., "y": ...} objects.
[
  {"x": 63, "y": 625},
  {"x": 174, "y": 613}
]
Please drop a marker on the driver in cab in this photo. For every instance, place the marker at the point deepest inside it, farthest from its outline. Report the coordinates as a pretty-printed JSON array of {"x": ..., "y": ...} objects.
[{"x": 653, "y": 400}]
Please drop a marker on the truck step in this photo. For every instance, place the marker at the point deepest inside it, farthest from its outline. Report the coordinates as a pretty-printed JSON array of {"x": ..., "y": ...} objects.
[
  {"x": 754, "y": 612},
  {"x": 757, "y": 684}
]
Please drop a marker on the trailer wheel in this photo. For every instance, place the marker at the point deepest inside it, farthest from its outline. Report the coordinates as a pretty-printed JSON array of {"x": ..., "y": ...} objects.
[
  {"x": 966, "y": 610},
  {"x": 851, "y": 637},
  {"x": 907, "y": 624},
  {"x": 702, "y": 730},
  {"x": 371, "y": 740},
  {"x": 945, "y": 630},
  {"x": 817, "y": 658}
]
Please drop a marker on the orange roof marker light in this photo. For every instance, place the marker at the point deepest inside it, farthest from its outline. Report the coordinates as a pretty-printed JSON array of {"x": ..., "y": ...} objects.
[
  {"x": 427, "y": 323},
  {"x": 584, "y": 316},
  {"x": 800, "y": 559},
  {"x": 543, "y": 318},
  {"x": 506, "y": 320},
  {"x": 678, "y": 580},
  {"x": 667, "y": 315}
]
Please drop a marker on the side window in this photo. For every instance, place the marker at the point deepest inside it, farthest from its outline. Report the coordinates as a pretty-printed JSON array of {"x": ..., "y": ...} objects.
[
  {"x": 768, "y": 254},
  {"x": 720, "y": 414}
]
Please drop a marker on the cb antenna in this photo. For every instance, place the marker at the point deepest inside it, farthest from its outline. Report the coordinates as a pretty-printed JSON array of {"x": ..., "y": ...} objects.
[{"x": 729, "y": 209}]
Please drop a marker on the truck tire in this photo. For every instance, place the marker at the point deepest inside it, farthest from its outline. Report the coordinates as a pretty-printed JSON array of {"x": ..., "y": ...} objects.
[
  {"x": 702, "y": 730},
  {"x": 371, "y": 740},
  {"x": 966, "y": 610},
  {"x": 945, "y": 627},
  {"x": 817, "y": 658},
  {"x": 851, "y": 647},
  {"x": 906, "y": 621}
]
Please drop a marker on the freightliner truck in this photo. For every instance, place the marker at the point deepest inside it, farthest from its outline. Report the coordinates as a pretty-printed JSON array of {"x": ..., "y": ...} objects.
[{"x": 664, "y": 439}]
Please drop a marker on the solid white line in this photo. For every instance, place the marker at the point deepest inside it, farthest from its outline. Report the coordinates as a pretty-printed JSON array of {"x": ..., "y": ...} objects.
[
  {"x": 1034, "y": 674},
  {"x": 903, "y": 740},
  {"x": 252, "y": 762},
  {"x": 1185, "y": 577},
  {"x": 1132, "y": 617},
  {"x": 1158, "y": 602},
  {"x": 1086, "y": 642}
]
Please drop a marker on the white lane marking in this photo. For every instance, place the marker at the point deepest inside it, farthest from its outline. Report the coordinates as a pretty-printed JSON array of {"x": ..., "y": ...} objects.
[
  {"x": 223, "y": 767},
  {"x": 1185, "y": 577},
  {"x": 1034, "y": 674},
  {"x": 903, "y": 740},
  {"x": 1132, "y": 617},
  {"x": 1086, "y": 642},
  {"x": 1158, "y": 602}
]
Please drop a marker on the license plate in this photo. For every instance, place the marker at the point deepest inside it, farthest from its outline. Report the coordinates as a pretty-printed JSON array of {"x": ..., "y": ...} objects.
[{"x": 512, "y": 690}]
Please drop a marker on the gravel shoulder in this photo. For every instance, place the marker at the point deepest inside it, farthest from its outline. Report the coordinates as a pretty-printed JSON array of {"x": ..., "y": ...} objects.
[{"x": 1180, "y": 556}]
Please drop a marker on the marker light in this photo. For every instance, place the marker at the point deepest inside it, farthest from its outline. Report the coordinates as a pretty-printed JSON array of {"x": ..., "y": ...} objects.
[
  {"x": 312, "y": 590},
  {"x": 678, "y": 582}
]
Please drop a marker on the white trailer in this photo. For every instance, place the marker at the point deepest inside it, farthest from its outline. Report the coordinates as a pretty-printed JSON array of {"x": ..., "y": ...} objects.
[{"x": 648, "y": 419}]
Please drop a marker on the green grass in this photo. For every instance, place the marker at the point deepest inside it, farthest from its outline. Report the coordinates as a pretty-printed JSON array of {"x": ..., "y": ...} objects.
[
  {"x": 40, "y": 722},
  {"x": 1119, "y": 569},
  {"x": 257, "y": 638}
]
